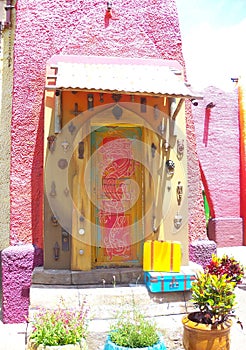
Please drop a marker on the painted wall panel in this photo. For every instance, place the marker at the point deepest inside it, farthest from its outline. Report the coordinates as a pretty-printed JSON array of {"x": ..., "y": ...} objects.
[{"x": 217, "y": 132}]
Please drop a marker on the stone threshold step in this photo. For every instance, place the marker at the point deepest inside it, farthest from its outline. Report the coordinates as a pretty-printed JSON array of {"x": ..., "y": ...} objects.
[{"x": 101, "y": 277}]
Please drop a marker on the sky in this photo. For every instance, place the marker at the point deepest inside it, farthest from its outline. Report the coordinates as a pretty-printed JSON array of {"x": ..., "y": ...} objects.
[{"x": 214, "y": 41}]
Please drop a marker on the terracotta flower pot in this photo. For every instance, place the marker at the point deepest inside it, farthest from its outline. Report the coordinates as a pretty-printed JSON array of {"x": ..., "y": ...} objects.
[
  {"x": 109, "y": 345},
  {"x": 199, "y": 336},
  {"x": 79, "y": 346}
]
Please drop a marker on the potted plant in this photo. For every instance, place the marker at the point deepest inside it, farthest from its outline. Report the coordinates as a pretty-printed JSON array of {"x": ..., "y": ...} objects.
[
  {"x": 62, "y": 328},
  {"x": 133, "y": 331},
  {"x": 213, "y": 293}
]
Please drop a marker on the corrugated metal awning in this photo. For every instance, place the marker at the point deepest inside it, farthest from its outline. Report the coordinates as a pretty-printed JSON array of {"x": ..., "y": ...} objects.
[{"x": 115, "y": 74}]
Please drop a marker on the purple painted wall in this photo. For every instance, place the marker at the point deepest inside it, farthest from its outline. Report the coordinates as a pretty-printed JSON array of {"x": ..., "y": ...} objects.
[
  {"x": 137, "y": 28},
  {"x": 217, "y": 132}
]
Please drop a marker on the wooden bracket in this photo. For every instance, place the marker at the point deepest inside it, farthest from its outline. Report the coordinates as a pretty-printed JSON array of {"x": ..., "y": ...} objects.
[{"x": 175, "y": 113}]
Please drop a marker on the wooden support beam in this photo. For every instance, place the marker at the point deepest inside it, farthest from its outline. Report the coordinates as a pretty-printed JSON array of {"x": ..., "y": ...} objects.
[{"x": 177, "y": 109}]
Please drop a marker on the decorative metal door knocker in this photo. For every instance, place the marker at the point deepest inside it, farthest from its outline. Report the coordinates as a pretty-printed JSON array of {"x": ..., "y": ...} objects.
[
  {"x": 65, "y": 240},
  {"x": 117, "y": 112},
  {"x": 161, "y": 127},
  {"x": 65, "y": 146},
  {"x": 179, "y": 192},
  {"x": 180, "y": 148},
  {"x": 170, "y": 165},
  {"x": 66, "y": 191},
  {"x": 143, "y": 104},
  {"x": 166, "y": 146},
  {"x": 156, "y": 112},
  {"x": 53, "y": 189},
  {"x": 54, "y": 220},
  {"x": 177, "y": 221},
  {"x": 153, "y": 149},
  {"x": 76, "y": 110},
  {"x": 90, "y": 102},
  {"x": 101, "y": 99},
  {"x": 81, "y": 231},
  {"x": 51, "y": 142},
  {"x": 62, "y": 163},
  {"x": 154, "y": 227},
  {"x": 71, "y": 128},
  {"x": 56, "y": 250},
  {"x": 116, "y": 97},
  {"x": 81, "y": 150}
]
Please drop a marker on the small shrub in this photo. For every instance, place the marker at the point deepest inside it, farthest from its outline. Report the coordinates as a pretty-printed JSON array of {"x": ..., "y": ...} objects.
[
  {"x": 132, "y": 330},
  {"x": 60, "y": 326}
]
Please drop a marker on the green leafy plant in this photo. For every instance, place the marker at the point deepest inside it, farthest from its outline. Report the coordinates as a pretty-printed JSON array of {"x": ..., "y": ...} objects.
[
  {"x": 227, "y": 266},
  {"x": 132, "y": 330},
  {"x": 215, "y": 297},
  {"x": 60, "y": 326}
]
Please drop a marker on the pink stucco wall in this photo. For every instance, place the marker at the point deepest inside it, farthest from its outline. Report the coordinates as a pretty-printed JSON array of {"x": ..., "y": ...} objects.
[
  {"x": 217, "y": 132},
  {"x": 195, "y": 201},
  {"x": 138, "y": 28}
]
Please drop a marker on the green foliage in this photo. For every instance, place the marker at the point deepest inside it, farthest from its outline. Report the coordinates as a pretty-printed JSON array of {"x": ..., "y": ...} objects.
[
  {"x": 214, "y": 296},
  {"x": 132, "y": 330},
  {"x": 228, "y": 266},
  {"x": 59, "y": 327}
]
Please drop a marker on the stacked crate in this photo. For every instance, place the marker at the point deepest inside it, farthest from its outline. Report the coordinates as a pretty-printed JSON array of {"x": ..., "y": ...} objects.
[{"x": 162, "y": 267}]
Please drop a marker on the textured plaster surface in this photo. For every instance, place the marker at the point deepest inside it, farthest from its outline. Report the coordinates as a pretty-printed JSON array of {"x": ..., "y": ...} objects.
[
  {"x": 201, "y": 251},
  {"x": 17, "y": 266},
  {"x": 197, "y": 225},
  {"x": 135, "y": 29},
  {"x": 218, "y": 149},
  {"x": 227, "y": 232},
  {"x": 217, "y": 131}
]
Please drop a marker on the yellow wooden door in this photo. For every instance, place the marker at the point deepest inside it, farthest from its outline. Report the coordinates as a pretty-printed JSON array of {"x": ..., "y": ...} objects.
[{"x": 117, "y": 196}]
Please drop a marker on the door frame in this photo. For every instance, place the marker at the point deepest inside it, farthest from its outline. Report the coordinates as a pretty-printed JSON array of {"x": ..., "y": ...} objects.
[{"x": 81, "y": 246}]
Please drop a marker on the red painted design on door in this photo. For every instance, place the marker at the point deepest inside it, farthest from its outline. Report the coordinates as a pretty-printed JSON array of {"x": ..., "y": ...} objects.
[{"x": 117, "y": 194}]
